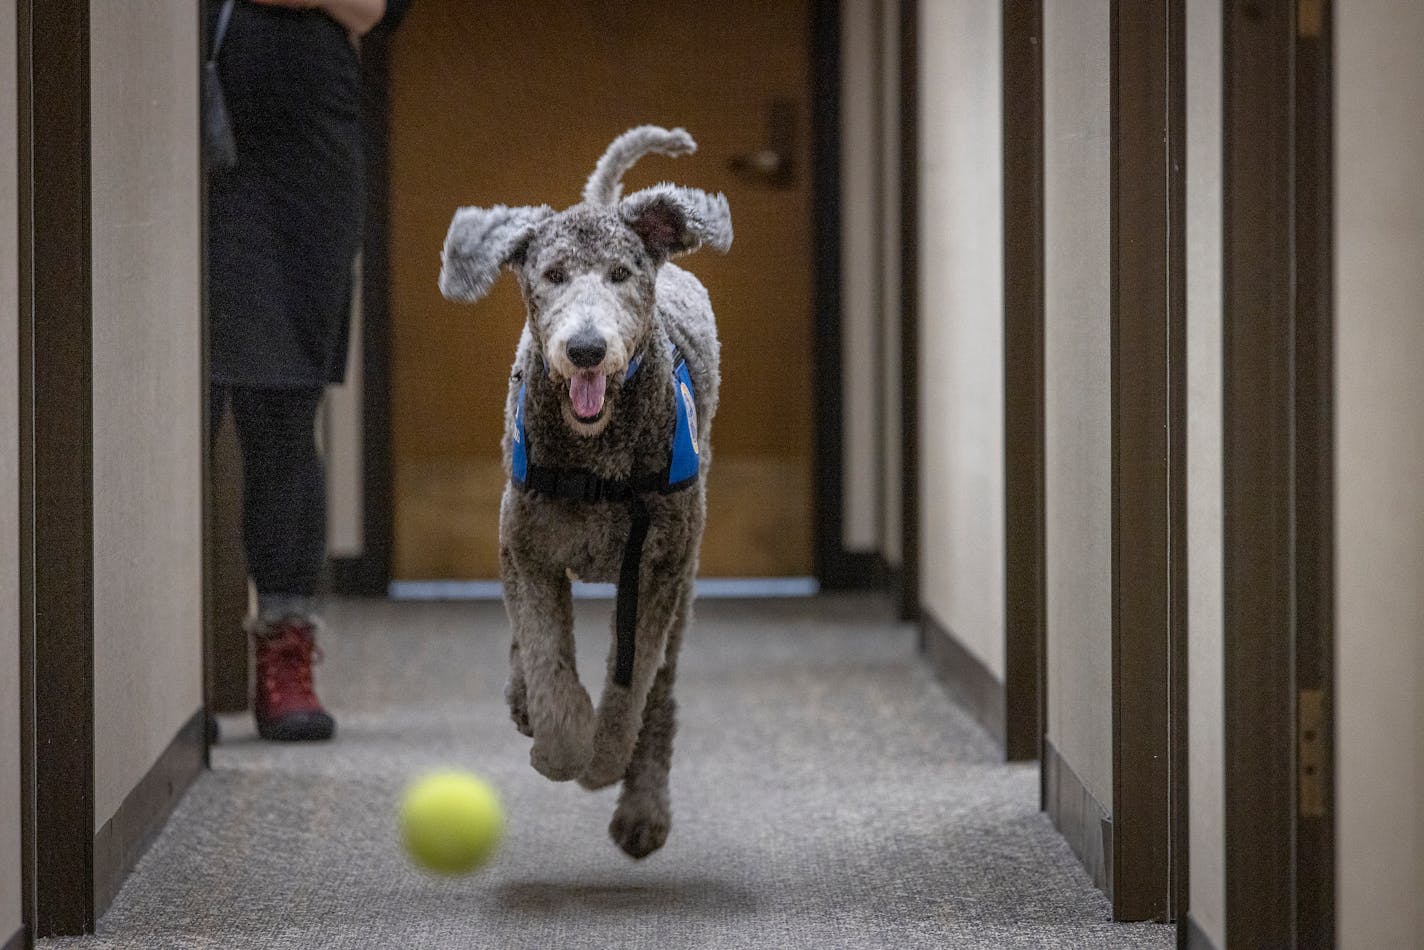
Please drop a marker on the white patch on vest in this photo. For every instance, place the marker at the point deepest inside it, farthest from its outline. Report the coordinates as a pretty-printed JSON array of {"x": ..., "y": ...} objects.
[{"x": 691, "y": 415}]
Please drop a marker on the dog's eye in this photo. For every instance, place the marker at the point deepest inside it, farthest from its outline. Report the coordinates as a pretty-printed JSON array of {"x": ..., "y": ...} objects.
[
  {"x": 619, "y": 274},
  {"x": 556, "y": 275}
]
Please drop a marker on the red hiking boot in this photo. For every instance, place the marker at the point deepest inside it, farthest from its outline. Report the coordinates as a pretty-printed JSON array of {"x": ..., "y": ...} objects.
[{"x": 285, "y": 704}]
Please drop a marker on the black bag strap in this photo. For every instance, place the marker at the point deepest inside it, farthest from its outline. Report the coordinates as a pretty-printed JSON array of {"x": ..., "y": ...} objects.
[{"x": 220, "y": 31}]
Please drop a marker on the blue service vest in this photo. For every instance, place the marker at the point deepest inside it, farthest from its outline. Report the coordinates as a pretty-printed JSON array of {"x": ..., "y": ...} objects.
[{"x": 683, "y": 466}]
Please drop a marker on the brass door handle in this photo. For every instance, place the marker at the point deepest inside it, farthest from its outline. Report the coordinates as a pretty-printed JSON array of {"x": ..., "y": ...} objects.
[{"x": 773, "y": 165}]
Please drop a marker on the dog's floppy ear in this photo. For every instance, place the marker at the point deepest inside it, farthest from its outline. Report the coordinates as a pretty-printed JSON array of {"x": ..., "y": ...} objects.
[
  {"x": 480, "y": 242},
  {"x": 674, "y": 220}
]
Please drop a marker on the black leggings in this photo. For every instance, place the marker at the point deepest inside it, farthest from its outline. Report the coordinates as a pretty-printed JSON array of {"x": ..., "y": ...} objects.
[{"x": 284, "y": 485}]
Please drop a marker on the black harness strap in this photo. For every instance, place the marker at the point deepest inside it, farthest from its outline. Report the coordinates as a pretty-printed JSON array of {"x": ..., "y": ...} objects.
[
  {"x": 576, "y": 484},
  {"x": 626, "y": 613}
]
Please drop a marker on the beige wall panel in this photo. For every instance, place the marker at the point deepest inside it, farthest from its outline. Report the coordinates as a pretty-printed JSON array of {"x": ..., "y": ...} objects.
[
  {"x": 860, "y": 374},
  {"x": 342, "y": 442},
  {"x": 961, "y": 325},
  {"x": 147, "y": 395},
  {"x": 1077, "y": 374},
  {"x": 891, "y": 539},
  {"x": 1205, "y": 700},
  {"x": 9, "y": 492},
  {"x": 1379, "y": 324}
]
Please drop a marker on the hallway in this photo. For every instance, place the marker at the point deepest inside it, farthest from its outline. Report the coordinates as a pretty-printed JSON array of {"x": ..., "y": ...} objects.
[{"x": 826, "y": 794}]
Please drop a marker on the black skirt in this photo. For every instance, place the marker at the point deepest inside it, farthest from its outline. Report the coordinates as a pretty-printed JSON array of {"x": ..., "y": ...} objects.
[{"x": 285, "y": 224}]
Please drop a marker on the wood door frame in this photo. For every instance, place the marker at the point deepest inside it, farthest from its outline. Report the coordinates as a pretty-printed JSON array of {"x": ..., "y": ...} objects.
[
  {"x": 1278, "y": 527},
  {"x": 70, "y": 870},
  {"x": 1149, "y": 568},
  {"x": 1137, "y": 852},
  {"x": 370, "y": 573},
  {"x": 1314, "y": 472},
  {"x": 56, "y": 467},
  {"x": 834, "y": 566},
  {"x": 908, "y": 592},
  {"x": 1136, "y": 849},
  {"x": 1025, "y": 702}
]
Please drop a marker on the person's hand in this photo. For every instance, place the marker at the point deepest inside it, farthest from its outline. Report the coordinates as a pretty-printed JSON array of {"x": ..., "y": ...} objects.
[{"x": 358, "y": 16}]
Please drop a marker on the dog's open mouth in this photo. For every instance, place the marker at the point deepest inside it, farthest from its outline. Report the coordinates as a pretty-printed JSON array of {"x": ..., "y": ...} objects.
[{"x": 586, "y": 393}]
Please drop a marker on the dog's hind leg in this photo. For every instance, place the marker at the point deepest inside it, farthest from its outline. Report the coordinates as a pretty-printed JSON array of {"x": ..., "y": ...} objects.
[
  {"x": 644, "y": 815},
  {"x": 663, "y": 588},
  {"x": 560, "y": 714}
]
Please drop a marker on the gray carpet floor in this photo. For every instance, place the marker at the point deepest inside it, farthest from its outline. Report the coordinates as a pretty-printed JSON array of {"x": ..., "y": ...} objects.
[{"x": 827, "y": 793}]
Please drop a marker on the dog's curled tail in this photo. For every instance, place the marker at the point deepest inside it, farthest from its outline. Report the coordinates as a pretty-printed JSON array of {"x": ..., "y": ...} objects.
[{"x": 605, "y": 185}]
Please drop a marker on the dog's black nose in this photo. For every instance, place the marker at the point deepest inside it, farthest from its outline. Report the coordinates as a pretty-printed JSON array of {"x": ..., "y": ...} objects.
[{"x": 587, "y": 350}]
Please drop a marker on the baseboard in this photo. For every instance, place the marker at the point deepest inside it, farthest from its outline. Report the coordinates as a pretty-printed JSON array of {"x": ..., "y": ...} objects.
[
  {"x": 966, "y": 677},
  {"x": 356, "y": 577},
  {"x": 16, "y": 942},
  {"x": 1196, "y": 937},
  {"x": 1083, "y": 822},
  {"x": 854, "y": 570},
  {"x": 126, "y": 836},
  {"x": 894, "y": 576},
  {"x": 900, "y": 595}
]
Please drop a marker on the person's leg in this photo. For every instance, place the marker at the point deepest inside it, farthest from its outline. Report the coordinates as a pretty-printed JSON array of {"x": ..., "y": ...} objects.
[
  {"x": 284, "y": 497},
  {"x": 284, "y": 535}
]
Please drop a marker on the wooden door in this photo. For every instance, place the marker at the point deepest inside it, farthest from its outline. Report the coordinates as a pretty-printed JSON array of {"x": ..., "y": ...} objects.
[{"x": 505, "y": 102}]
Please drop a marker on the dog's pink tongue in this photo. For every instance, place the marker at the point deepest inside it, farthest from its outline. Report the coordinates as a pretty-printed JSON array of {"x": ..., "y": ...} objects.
[{"x": 586, "y": 393}]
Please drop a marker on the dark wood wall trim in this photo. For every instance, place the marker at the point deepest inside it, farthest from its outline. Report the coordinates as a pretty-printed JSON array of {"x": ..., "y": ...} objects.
[
  {"x": 370, "y": 573},
  {"x": 1315, "y": 466},
  {"x": 836, "y": 567},
  {"x": 909, "y": 588},
  {"x": 1257, "y": 410},
  {"x": 57, "y": 484},
  {"x": 228, "y": 674},
  {"x": 26, "y": 481},
  {"x": 968, "y": 680},
  {"x": 1278, "y": 540},
  {"x": 205, "y": 396},
  {"x": 1023, "y": 377},
  {"x": 1195, "y": 938},
  {"x": 858, "y": 570},
  {"x": 124, "y": 838},
  {"x": 1148, "y": 451},
  {"x": 1079, "y": 817}
]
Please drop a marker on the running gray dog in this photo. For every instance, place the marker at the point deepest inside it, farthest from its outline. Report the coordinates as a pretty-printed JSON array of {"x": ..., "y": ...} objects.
[{"x": 606, "y": 444}]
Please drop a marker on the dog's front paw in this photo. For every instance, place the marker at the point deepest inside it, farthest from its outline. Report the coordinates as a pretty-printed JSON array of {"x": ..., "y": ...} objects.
[
  {"x": 558, "y": 758},
  {"x": 563, "y": 743},
  {"x": 640, "y": 826},
  {"x": 517, "y": 696},
  {"x": 603, "y": 770},
  {"x": 613, "y": 742}
]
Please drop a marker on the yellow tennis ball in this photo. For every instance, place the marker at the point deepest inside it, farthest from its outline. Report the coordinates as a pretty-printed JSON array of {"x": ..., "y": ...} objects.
[{"x": 451, "y": 822}]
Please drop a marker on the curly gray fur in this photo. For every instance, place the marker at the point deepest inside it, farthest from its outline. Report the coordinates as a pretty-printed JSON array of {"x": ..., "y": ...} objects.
[
  {"x": 606, "y": 182},
  {"x": 481, "y": 241},
  {"x": 600, "y": 270},
  {"x": 707, "y": 219}
]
